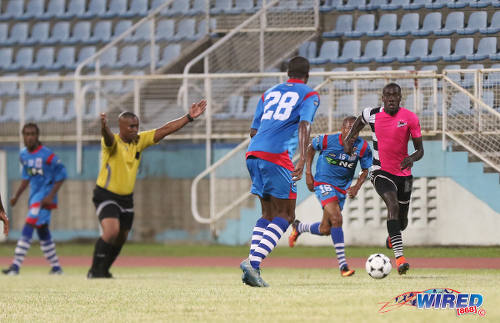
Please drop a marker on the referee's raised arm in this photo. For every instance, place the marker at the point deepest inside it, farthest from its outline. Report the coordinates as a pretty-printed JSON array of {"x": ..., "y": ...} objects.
[
  {"x": 172, "y": 126},
  {"x": 106, "y": 133}
]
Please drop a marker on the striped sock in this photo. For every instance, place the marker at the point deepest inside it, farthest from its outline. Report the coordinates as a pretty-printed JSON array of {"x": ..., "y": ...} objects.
[
  {"x": 23, "y": 245},
  {"x": 258, "y": 231},
  {"x": 303, "y": 227},
  {"x": 338, "y": 242},
  {"x": 315, "y": 228},
  {"x": 271, "y": 236},
  {"x": 49, "y": 251},
  {"x": 393, "y": 228}
]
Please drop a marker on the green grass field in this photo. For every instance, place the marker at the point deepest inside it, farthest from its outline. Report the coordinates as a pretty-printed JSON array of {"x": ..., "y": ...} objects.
[{"x": 217, "y": 295}]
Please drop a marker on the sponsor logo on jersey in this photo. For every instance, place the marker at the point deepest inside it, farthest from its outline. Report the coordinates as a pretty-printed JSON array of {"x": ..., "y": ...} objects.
[{"x": 402, "y": 123}]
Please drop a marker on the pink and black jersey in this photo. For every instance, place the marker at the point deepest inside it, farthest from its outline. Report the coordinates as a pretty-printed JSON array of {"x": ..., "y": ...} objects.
[
  {"x": 390, "y": 137},
  {"x": 277, "y": 118}
]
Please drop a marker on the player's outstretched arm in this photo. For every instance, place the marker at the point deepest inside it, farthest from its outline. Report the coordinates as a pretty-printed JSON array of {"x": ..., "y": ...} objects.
[
  {"x": 106, "y": 133},
  {"x": 353, "y": 190},
  {"x": 417, "y": 155},
  {"x": 194, "y": 112},
  {"x": 309, "y": 160},
  {"x": 353, "y": 134},
  {"x": 304, "y": 133},
  {"x": 20, "y": 190},
  {"x": 4, "y": 219}
]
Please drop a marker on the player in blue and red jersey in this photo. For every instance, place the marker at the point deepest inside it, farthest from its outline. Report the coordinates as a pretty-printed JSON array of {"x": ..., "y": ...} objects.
[
  {"x": 45, "y": 173},
  {"x": 282, "y": 121},
  {"x": 332, "y": 182}
]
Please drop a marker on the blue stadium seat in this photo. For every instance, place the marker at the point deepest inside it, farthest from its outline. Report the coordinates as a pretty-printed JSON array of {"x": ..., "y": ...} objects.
[
  {"x": 251, "y": 106},
  {"x": 417, "y": 4},
  {"x": 437, "y": 4},
  {"x": 145, "y": 58},
  {"x": 221, "y": 6},
  {"x": 364, "y": 24},
  {"x": 453, "y": 73},
  {"x": 108, "y": 58},
  {"x": 49, "y": 87},
  {"x": 429, "y": 68},
  {"x": 469, "y": 77},
  {"x": 328, "y": 53},
  {"x": 489, "y": 98},
  {"x": 31, "y": 87},
  {"x": 117, "y": 8},
  {"x": 494, "y": 25},
  {"x": 460, "y": 103},
  {"x": 76, "y": 9},
  {"x": 376, "y": 4},
  {"x": 96, "y": 8},
  {"x": 329, "y": 5},
  {"x": 85, "y": 53},
  {"x": 170, "y": 53},
  {"x": 67, "y": 87},
  {"x": 101, "y": 32},
  {"x": 60, "y": 33},
  {"x": 55, "y": 9},
  {"x": 44, "y": 59},
  {"x": 185, "y": 29},
  {"x": 18, "y": 34},
  {"x": 165, "y": 29},
  {"x": 6, "y": 56},
  {"x": 121, "y": 26},
  {"x": 128, "y": 57},
  {"x": 407, "y": 68},
  {"x": 384, "y": 68},
  {"x": 308, "y": 49},
  {"x": 458, "y": 4},
  {"x": 454, "y": 21},
  {"x": 178, "y": 7},
  {"x": 39, "y": 33},
  {"x": 202, "y": 29},
  {"x": 395, "y": 4},
  {"x": 463, "y": 48},
  {"x": 143, "y": 32},
  {"x": 351, "y": 49},
  {"x": 342, "y": 25},
  {"x": 344, "y": 106},
  {"x": 14, "y": 10},
  {"x": 137, "y": 8},
  {"x": 34, "y": 9},
  {"x": 373, "y": 49},
  {"x": 483, "y": 3},
  {"x": 387, "y": 23},
  {"x": 199, "y": 7},
  {"x": 10, "y": 111},
  {"x": 54, "y": 110},
  {"x": 487, "y": 48},
  {"x": 352, "y": 5},
  {"x": 81, "y": 33},
  {"x": 114, "y": 86},
  {"x": 241, "y": 6},
  {"x": 316, "y": 80},
  {"x": 418, "y": 48},
  {"x": 4, "y": 32},
  {"x": 8, "y": 88},
  {"x": 409, "y": 23},
  {"x": 34, "y": 110},
  {"x": 233, "y": 108},
  {"x": 70, "y": 112},
  {"x": 23, "y": 60},
  {"x": 440, "y": 48},
  {"x": 396, "y": 49},
  {"x": 477, "y": 21},
  {"x": 432, "y": 22}
]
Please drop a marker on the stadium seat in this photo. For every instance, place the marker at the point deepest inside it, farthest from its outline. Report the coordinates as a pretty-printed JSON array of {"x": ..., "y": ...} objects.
[
  {"x": 221, "y": 6},
  {"x": 342, "y": 25},
  {"x": 241, "y": 6},
  {"x": 4, "y": 32},
  {"x": 202, "y": 29},
  {"x": 65, "y": 58},
  {"x": 23, "y": 60},
  {"x": 137, "y": 8},
  {"x": 373, "y": 49},
  {"x": 409, "y": 23},
  {"x": 114, "y": 86},
  {"x": 165, "y": 29},
  {"x": 8, "y": 88},
  {"x": 395, "y": 4},
  {"x": 455, "y": 76},
  {"x": 352, "y": 5},
  {"x": 31, "y": 87},
  {"x": 143, "y": 32},
  {"x": 34, "y": 110},
  {"x": 494, "y": 25},
  {"x": 116, "y": 9},
  {"x": 170, "y": 53},
  {"x": 76, "y": 9},
  {"x": 145, "y": 58},
  {"x": 54, "y": 110},
  {"x": 396, "y": 49},
  {"x": 39, "y": 33},
  {"x": 364, "y": 24},
  {"x": 67, "y": 87},
  {"x": 328, "y": 53},
  {"x": 49, "y": 87},
  {"x": 432, "y": 22},
  {"x": 14, "y": 10},
  {"x": 329, "y": 5},
  {"x": 440, "y": 48},
  {"x": 44, "y": 59},
  {"x": 178, "y": 8},
  {"x": 233, "y": 108},
  {"x": 344, "y": 106},
  {"x": 95, "y": 9},
  {"x": 80, "y": 34},
  {"x": 85, "y": 53},
  {"x": 308, "y": 49},
  {"x": 128, "y": 57},
  {"x": 199, "y": 7},
  {"x": 10, "y": 111},
  {"x": 454, "y": 21},
  {"x": 460, "y": 104},
  {"x": 489, "y": 98},
  {"x": 387, "y": 23},
  {"x": 60, "y": 33},
  {"x": 70, "y": 112},
  {"x": 468, "y": 80},
  {"x": 34, "y": 8},
  {"x": 483, "y": 3},
  {"x": 102, "y": 32},
  {"x": 417, "y": 4},
  {"x": 121, "y": 27},
  {"x": 351, "y": 49},
  {"x": 463, "y": 48},
  {"x": 109, "y": 57},
  {"x": 487, "y": 48},
  {"x": 418, "y": 49},
  {"x": 55, "y": 9},
  {"x": 18, "y": 34},
  {"x": 316, "y": 80},
  {"x": 185, "y": 30},
  {"x": 437, "y": 4},
  {"x": 477, "y": 21},
  {"x": 458, "y": 4},
  {"x": 6, "y": 57}
]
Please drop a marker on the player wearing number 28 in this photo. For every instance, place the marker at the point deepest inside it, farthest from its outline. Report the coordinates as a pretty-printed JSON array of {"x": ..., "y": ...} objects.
[{"x": 282, "y": 121}]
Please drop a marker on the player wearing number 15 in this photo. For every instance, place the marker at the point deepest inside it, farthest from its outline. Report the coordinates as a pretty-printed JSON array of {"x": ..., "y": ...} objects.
[{"x": 282, "y": 120}]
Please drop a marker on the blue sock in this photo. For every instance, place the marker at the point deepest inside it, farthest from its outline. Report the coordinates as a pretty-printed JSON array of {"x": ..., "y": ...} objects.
[
  {"x": 338, "y": 242},
  {"x": 258, "y": 232},
  {"x": 273, "y": 233},
  {"x": 315, "y": 228},
  {"x": 48, "y": 246},
  {"x": 23, "y": 245}
]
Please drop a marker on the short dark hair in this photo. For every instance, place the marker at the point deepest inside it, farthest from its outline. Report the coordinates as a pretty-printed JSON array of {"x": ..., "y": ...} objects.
[
  {"x": 392, "y": 85},
  {"x": 127, "y": 114},
  {"x": 298, "y": 67},
  {"x": 31, "y": 125},
  {"x": 348, "y": 119}
]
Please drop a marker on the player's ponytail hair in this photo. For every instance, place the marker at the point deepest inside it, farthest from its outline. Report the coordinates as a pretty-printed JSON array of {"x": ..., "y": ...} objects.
[{"x": 298, "y": 67}]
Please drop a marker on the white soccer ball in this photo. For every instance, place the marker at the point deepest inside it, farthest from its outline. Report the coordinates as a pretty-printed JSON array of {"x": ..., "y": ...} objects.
[{"x": 378, "y": 266}]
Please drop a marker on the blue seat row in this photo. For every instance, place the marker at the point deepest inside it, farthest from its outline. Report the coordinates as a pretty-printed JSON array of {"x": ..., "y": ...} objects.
[
  {"x": 432, "y": 24},
  {"x": 350, "y": 5}
]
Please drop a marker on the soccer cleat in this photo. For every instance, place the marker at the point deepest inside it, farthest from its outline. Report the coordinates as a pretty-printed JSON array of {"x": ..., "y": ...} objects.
[
  {"x": 11, "y": 271},
  {"x": 56, "y": 271},
  {"x": 346, "y": 272},
  {"x": 402, "y": 265},
  {"x": 251, "y": 276},
  {"x": 292, "y": 239},
  {"x": 92, "y": 275},
  {"x": 388, "y": 243}
]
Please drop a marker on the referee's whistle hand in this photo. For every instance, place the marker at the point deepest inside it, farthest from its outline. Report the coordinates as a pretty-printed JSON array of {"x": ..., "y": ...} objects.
[{"x": 197, "y": 108}]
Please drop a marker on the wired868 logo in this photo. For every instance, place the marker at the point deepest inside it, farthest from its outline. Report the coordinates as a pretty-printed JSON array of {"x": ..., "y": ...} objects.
[{"x": 438, "y": 298}]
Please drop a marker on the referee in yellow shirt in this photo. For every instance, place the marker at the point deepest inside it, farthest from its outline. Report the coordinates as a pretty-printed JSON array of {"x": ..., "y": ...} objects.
[{"x": 113, "y": 194}]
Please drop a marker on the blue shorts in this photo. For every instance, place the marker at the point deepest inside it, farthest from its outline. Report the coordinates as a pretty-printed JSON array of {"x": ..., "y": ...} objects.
[
  {"x": 38, "y": 216},
  {"x": 271, "y": 179},
  {"x": 327, "y": 193}
]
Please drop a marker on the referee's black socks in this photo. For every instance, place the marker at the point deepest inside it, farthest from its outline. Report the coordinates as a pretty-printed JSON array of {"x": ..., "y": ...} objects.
[{"x": 102, "y": 253}]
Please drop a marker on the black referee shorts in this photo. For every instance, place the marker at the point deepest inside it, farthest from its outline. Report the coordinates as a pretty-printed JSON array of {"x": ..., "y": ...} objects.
[
  {"x": 111, "y": 205},
  {"x": 386, "y": 182}
]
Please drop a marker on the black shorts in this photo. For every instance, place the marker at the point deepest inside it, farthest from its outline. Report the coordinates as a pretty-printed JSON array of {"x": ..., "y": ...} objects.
[
  {"x": 386, "y": 182},
  {"x": 111, "y": 205}
]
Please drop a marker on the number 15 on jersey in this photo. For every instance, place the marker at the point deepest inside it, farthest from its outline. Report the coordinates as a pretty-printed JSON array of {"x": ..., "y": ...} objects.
[{"x": 279, "y": 106}]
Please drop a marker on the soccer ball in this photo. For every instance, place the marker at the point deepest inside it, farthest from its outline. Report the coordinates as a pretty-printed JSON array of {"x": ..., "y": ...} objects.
[{"x": 378, "y": 266}]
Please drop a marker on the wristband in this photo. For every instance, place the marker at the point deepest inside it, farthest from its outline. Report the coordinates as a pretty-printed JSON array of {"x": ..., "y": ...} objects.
[{"x": 191, "y": 119}]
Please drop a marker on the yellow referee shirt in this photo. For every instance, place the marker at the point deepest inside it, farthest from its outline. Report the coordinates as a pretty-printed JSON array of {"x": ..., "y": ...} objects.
[{"x": 120, "y": 162}]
